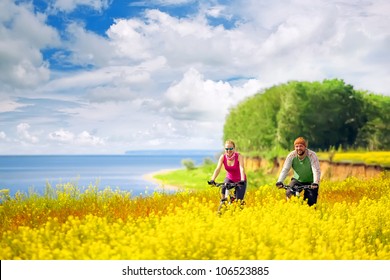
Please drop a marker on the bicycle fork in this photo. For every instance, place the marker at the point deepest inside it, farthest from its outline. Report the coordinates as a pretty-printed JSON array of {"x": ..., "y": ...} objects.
[
  {"x": 291, "y": 192},
  {"x": 228, "y": 197}
]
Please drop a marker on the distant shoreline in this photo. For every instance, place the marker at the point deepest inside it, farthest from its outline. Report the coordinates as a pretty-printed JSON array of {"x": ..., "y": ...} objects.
[{"x": 160, "y": 185}]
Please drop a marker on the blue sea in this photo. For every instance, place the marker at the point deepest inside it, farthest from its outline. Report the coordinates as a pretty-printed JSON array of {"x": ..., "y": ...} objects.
[{"x": 125, "y": 172}]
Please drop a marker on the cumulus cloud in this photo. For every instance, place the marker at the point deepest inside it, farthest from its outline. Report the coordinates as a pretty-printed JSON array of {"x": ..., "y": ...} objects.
[
  {"x": 196, "y": 98},
  {"x": 84, "y": 138},
  {"x": 62, "y": 135},
  {"x": 86, "y": 48},
  {"x": 161, "y": 2},
  {"x": 23, "y": 34},
  {"x": 317, "y": 40},
  {"x": 70, "y": 5},
  {"x": 3, "y": 136},
  {"x": 184, "y": 43},
  {"x": 24, "y": 133}
]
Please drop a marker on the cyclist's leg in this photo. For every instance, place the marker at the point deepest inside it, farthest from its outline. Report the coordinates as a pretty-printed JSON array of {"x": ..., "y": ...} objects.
[
  {"x": 292, "y": 183},
  {"x": 223, "y": 189},
  {"x": 311, "y": 195},
  {"x": 240, "y": 192}
]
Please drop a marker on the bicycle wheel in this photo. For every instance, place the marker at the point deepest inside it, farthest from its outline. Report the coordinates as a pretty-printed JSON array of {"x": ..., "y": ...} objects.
[{"x": 222, "y": 205}]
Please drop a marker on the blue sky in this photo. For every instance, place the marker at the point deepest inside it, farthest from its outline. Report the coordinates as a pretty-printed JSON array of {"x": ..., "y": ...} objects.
[{"x": 107, "y": 76}]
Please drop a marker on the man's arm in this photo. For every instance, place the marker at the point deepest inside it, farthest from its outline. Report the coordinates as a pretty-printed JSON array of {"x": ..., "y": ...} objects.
[
  {"x": 286, "y": 166},
  {"x": 315, "y": 167}
]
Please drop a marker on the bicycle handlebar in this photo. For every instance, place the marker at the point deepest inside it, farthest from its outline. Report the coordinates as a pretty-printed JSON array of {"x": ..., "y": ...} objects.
[
  {"x": 296, "y": 188},
  {"x": 227, "y": 185}
]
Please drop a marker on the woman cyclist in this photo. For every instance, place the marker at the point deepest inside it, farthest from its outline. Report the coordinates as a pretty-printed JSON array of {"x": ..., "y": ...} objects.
[{"x": 235, "y": 172}]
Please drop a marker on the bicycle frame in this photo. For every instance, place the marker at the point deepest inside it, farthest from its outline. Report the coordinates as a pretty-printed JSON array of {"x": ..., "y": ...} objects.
[
  {"x": 295, "y": 190},
  {"x": 229, "y": 195}
]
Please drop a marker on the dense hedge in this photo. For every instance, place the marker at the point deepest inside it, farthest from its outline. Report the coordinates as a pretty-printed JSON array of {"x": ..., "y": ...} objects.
[{"x": 328, "y": 113}]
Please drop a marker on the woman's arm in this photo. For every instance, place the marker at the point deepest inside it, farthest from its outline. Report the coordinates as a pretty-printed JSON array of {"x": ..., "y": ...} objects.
[
  {"x": 218, "y": 168},
  {"x": 242, "y": 168}
]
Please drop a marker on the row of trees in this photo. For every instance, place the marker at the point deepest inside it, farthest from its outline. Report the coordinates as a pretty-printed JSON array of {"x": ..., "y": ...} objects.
[{"x": 328, "y": 113}]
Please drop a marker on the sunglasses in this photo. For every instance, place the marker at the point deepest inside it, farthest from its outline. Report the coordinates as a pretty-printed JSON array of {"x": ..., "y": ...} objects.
[{"x": 229, "y": 149}]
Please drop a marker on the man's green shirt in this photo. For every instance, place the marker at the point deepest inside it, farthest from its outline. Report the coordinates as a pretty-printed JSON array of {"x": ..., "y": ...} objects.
[{"x": 302, "y": 170}]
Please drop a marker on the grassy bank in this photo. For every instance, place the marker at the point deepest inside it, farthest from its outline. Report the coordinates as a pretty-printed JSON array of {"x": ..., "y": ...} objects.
[{"x": 196, "y": 179}]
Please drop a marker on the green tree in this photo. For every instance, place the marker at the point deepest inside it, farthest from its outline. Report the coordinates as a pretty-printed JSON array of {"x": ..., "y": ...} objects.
[
  {"x": 189, "y": 164},
  {"x": 375, "y": 134},
  {"x": 328, "y": 113},
  {"x": 253, "y": 122}
]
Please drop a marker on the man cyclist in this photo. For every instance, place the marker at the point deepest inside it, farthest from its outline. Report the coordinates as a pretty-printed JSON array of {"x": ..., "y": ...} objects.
[{"x": 306, "y": 167}]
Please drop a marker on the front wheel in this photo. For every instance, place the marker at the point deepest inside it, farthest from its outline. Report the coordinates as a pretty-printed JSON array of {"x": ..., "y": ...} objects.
[{"x": 230, "y": 204}]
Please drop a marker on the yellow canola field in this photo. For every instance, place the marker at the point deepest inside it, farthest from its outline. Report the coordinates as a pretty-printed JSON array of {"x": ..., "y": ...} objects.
[
  {"x": 375, "y": 158},
  {"x": 351, "y": 221}
]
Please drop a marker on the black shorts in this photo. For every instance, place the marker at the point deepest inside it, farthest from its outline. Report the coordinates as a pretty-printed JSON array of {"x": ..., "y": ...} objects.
[
  {"x": 310, "y": 195},
  {"x": 239, "y": 192}
]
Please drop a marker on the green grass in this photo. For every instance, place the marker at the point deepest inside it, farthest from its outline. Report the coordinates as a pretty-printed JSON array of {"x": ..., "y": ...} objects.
[
  {"x": 189, "y": 178},
  {"x": 197, "y": 178}
]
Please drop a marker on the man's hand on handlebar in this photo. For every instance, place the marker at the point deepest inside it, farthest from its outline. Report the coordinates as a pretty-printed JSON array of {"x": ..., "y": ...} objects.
[
  {"x": 279, "y": 184},
  {"x": 314, "y": 185}
]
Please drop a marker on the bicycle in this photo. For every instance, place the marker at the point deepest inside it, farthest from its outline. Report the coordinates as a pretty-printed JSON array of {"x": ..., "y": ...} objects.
[
  {"x": 230, "y": 196},
  {"x": 295, "y": 190}
]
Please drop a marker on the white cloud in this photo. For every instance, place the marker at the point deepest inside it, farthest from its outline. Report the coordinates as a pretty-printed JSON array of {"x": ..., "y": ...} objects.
[
  {"x": 166, "y": 2},
  {"x": 3, "y": 136},
  {"x": 85, "y": 138},
  {"x": 123, "y": 77},
  {"x": 70, "y": 5},
  {"x": 23, "y": 34},
  {"x": 87, "y": 48},
  {"x": 8, "y": 105},
  {"x": 128, "y": 41},
  {"x": 24, "y": 133},
  {"x": 216, "y": 11},
  {"x": 194, "y": 98},
  {"x": 62, "y": 135},
  {"x": 184, "y": 42}
]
